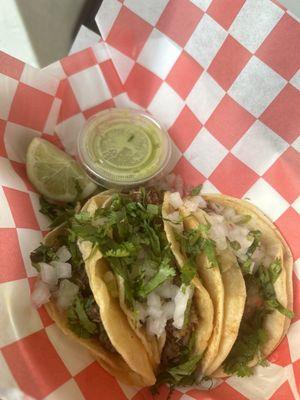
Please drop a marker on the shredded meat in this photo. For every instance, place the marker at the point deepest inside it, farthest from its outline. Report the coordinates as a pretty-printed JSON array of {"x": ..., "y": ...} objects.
[
  {"x": 177, "y": 339},
  {"x": 153, "y": 196}
]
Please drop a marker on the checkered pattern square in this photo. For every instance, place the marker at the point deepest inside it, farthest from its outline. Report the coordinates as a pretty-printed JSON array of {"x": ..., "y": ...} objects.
[{"x": 225, "y": 83}]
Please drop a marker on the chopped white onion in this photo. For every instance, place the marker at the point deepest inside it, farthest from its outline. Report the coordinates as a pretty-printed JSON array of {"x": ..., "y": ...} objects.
[
  {"x": 48, "y": 274},
  {"x": 218, "y": 230},
  {"x": 153, "y": 300},
  {"x": 156, "y": 326},
  {"x": 199, "y": 200},
  {"x": 63, "y": 254},
  {"x": 167, "y": 290},
  {"x": 168, "y": 309},
  {"x": 175, "y": 200},
  {"x": 190, "y": 206},
  {"x": 176, "y": 221},
  {"x": 181, "y": 300},
  {"x": 63, "y": 269},
  {"x": 228, "y": 213},
  {"x": 41, "y": 294},
  {"x": 66, "y": 293}
]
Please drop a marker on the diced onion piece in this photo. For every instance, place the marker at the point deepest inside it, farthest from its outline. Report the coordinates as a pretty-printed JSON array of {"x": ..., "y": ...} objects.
[
  {"x": 41, "y": 294},
  {"x": 48, "y": 274},
  {"x": 168, "y": 309},
  {"x": 181, "y": 300},
  {"x": 218, "y": 230},
  {"x": 167, "y": 290},
  {"x": 199, "y": 200},
  {"x": 63, "y": 269},
  {"x": 153, "y": 300},
  {"x": 175, "y": 200},
  {"x": 156, "y": 326},
  {"x": 190, "y": 206},
  {"x": 228, "y": 213},
  {"x": 63, "y": 254},
  {"x": 175, "y": 220},
  {"x": 66, "y": 293}
]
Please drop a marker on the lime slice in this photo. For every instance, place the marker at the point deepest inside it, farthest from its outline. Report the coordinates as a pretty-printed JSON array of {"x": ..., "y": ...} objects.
[{"x": 55, "y": 174}]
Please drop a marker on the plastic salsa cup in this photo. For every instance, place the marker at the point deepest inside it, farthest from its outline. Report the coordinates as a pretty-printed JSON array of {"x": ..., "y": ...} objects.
[{"x": 122, "y": 147}]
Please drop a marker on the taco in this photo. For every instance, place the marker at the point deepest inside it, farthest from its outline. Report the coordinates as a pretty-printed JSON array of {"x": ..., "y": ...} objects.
[
  {"x": 246, "y": 246},
  {"x": 130, "y": 242},
  {"x": 86, "y": 309}
]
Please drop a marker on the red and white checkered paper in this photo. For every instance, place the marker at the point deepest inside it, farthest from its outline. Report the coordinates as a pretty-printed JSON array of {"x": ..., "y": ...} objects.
[{"x": 223, "y": 77}]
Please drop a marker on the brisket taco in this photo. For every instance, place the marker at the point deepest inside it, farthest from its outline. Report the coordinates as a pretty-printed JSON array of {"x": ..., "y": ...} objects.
[
  {"x": 84, "y": 308},
  {"x": 130, "y": 244},
  {"x": 255, "y": 265}
]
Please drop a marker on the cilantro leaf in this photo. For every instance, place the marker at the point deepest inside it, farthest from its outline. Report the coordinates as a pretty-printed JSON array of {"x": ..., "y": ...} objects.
[
  {"x": 196, "y": 190},
  {"x": 78, "y": 320},
  {"x": 184, "y": 369},
  {"x": 235, "y": 245},
  {"x": 250, "y": 339},
  {"x": 42, "y": 254},
  {"x": 57, "y": 213},
  {"x": 188, "y": 271},
  {"x": 274, "y": 270},
  {"x": 256, "y": 235},
  {"x": 165, "y": 271},
  {"x": 209, "y": 248},
  {"x": 244, "y": 219},
  {"x": 152, "y": 209},
  {"x": 265, "y": 278},
  {"x": 182, "y": 372},
  {"x": 125, "y": 249}
]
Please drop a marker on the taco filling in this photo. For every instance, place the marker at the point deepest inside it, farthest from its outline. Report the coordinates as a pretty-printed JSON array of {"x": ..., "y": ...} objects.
[{"x": 64, "y": 281}]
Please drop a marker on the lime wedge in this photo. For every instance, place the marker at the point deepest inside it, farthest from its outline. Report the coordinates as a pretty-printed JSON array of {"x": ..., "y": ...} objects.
[{"x": 55, "y": 174}]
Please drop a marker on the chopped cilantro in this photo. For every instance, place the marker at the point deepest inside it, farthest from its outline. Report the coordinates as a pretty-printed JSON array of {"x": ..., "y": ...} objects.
[
  {"x": 265, "y": 278},
  {"x": 274, "y": 270},
  {"x": 188, "y": 271},
  {"x": 250, "y": 339},
  {"x": 256, "y": 235},
  {"x": 209, "y": 248},
  {"x": 57, "y": 213},
  {"x": 42, "y": 254},
  {"x": 78, "y": 320},
  {"x": 235, "y": 245},
  {"x": 244, "y": 219},
  {"x": 245, "y": 266},
  {"x": 165, "y": 271},
  {"x": 196, "y": 190}
]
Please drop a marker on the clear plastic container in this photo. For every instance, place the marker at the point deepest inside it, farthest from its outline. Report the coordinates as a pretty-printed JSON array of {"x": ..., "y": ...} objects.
[{"x": 123, "y": 147}]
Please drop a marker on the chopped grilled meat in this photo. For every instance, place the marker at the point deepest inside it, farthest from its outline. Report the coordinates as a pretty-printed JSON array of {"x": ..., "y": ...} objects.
[
  {"x": 93, "y": 312},
  {"x": 177, "y": 339},
  {"x": 149, "y": 196}
]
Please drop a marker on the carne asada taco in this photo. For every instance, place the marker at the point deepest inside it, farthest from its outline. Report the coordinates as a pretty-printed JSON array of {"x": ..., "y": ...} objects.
[
  {"x": 87, "y": 311},
  {"x": 245, "y": 237},
  {"x": 132, "y": 240}
]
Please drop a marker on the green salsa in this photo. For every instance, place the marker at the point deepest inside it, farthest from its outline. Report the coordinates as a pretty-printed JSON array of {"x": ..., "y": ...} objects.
[{"x": 124, "y": 147}]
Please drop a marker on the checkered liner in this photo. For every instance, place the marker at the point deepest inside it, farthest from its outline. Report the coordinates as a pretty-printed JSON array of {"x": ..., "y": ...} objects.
[{"x": 223, "y": 77}]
